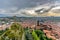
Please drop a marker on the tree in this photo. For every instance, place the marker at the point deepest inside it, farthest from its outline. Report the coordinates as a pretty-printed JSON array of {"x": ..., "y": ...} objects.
[
  {"x": 35, "y": 35},
  {"x": 15, "y": 32}
]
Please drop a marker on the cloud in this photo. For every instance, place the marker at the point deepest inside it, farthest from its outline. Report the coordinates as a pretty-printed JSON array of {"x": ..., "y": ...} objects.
[
  {"x": 9, "y": 10},
  {"x": 25, "y": 7},
  {"x": 2, "y": 11},
  {"x": 23, "y": 3},
  {"x": 53, "y": 12},
  {"x": 30, "y": 12}
]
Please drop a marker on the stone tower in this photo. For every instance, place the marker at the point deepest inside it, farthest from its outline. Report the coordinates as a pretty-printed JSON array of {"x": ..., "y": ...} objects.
[{"x": 38, "y": 23}]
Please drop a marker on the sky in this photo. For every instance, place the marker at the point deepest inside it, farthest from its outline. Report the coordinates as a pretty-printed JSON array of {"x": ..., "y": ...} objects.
[{"x": 24, "y": 7}]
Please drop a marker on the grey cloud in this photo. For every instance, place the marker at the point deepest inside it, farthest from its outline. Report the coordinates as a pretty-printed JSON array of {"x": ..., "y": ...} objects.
[
  {"x": 21, "y": 4},
  {"x": 56, "y": 11}
]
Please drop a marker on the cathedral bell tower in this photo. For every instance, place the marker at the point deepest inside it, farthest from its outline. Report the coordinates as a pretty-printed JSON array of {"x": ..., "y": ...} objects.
[{"x": 38, "y": 23}]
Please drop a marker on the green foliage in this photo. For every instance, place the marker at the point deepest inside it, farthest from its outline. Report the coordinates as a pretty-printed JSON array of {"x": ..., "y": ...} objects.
[
  {"x": 15, "y": 32},
  {"x": 41, "y": 35},
  {"x": 28, "y": 35},
  {"x": 15, "y": 26},
  {"x": 1, "y": 32},
  {"x": 39, "y": 32},
  {"x": 35, "y": 35}
]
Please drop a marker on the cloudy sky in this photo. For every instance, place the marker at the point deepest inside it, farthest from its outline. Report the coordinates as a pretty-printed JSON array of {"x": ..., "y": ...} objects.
[{"x": 24, "y": 7}]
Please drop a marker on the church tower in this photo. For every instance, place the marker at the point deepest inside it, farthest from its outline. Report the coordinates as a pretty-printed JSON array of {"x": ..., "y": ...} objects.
[{"x": 38, "y": 23}]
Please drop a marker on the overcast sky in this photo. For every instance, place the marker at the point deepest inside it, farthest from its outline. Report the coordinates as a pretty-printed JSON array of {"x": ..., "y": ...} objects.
[
  {"x": 12, "y": 7},
  {"x": 22, "y": 3}
]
